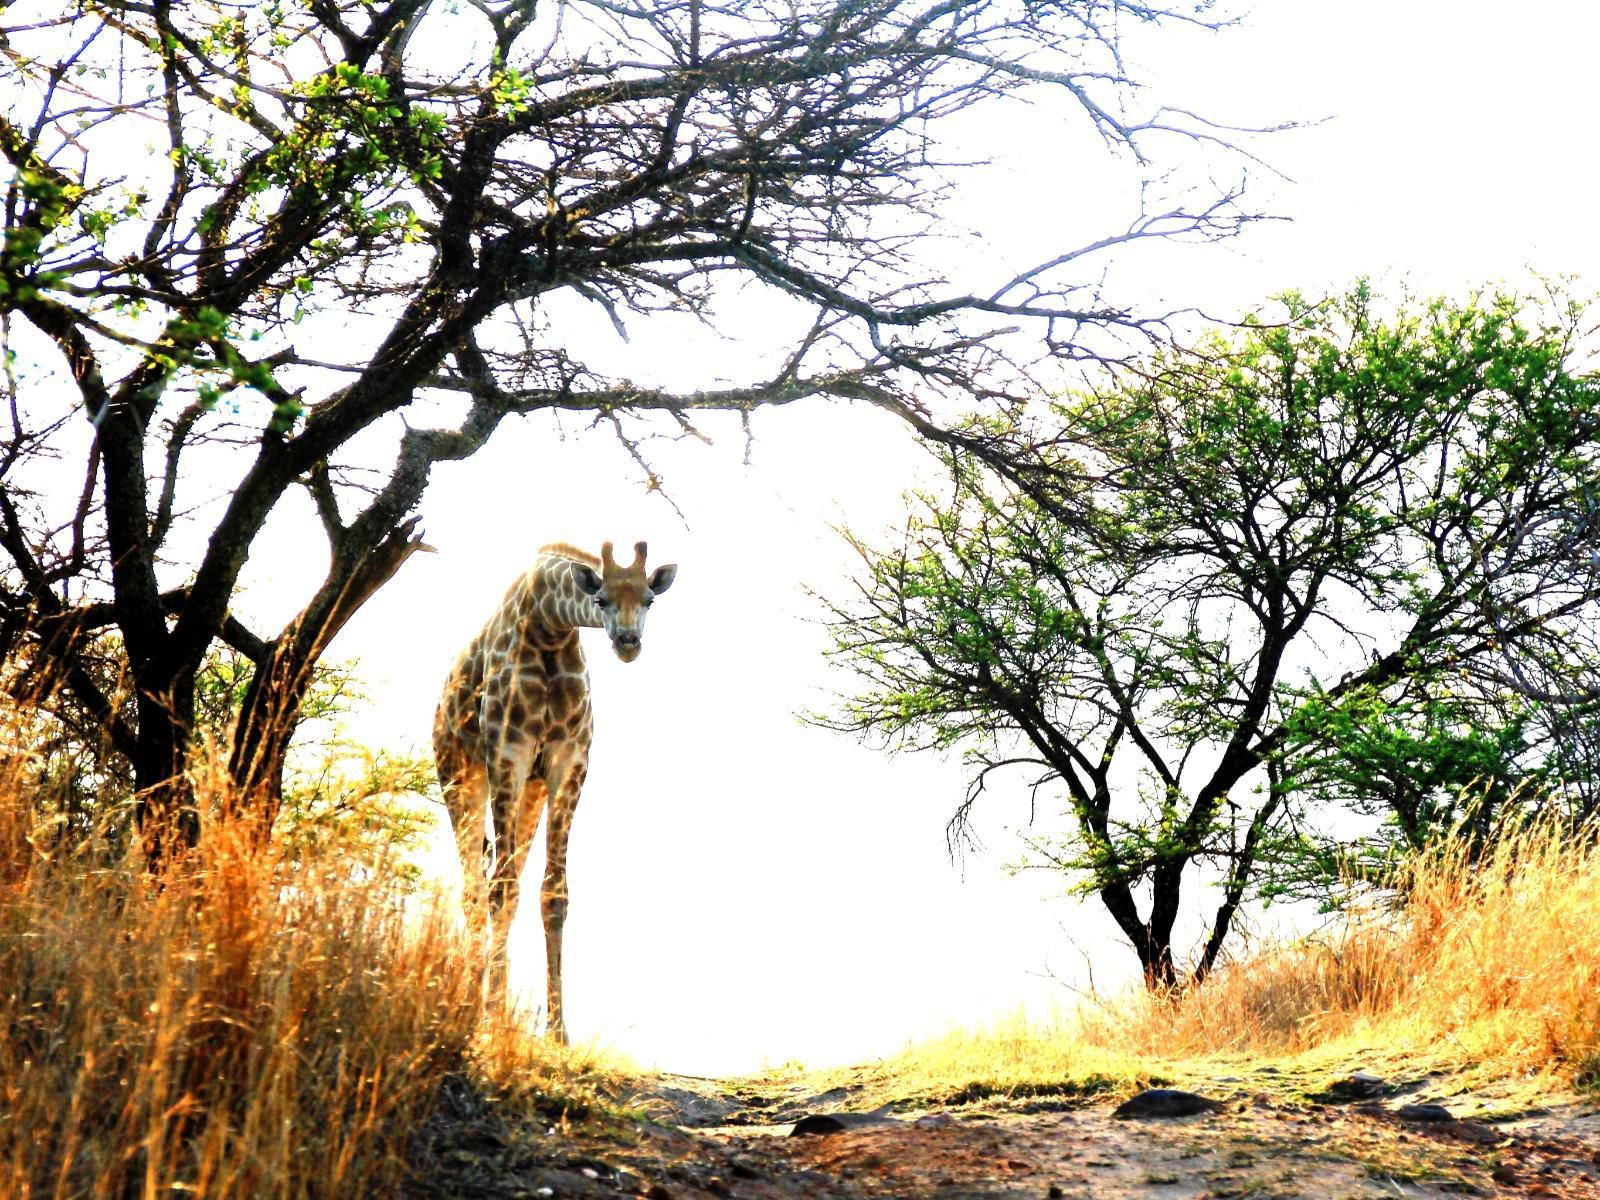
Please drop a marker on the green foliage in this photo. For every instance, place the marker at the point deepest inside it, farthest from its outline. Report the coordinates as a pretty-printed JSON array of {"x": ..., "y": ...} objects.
[
  {"x": 354, "y": 137},
  {"x": 1421, "y": 765},
  {"x": 1302, "y": 567},
  {"x": 45, "y": 201},
  {"x": 339, "y": 797}
]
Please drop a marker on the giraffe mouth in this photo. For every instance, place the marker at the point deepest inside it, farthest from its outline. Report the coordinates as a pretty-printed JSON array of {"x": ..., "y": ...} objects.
[{"x": 627, "y": 651}]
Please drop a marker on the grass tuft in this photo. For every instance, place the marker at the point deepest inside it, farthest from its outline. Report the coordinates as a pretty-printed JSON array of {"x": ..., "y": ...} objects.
[{"x": 252, "y": 1025}]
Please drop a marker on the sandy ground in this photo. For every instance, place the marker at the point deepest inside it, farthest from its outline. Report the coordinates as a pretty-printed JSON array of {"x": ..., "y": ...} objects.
[{"x": 1258, "y": 1145}]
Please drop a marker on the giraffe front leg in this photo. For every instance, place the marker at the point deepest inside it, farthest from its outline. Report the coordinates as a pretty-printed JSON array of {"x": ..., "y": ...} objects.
[
  {"x": 508, "y": 782},
  {"x": 553, "y": 894},
  {"x": 553, "y": 908},
  {"x": 464, "y": 785}
]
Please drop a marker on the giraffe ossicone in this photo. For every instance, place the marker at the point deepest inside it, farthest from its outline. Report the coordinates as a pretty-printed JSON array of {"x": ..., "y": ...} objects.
[{"x": 512, "y": 733}]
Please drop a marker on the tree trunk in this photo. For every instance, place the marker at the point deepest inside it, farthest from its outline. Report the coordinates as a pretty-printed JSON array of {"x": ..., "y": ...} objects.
[
  {"x": 1166, "y": 889},
  {"x": 169, "y": 822},
  {"x": 266, "y": 723},
  {"x": 1155, "y": 956},
  {"x": 1241, "y": 872},
  {"x": 278, "y": 689},
  {"x": 1153, "y": 950}
]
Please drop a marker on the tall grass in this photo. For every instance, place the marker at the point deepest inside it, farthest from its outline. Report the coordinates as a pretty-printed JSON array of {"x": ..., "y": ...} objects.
[
  {"x": 253, "y": 1026},
  {"x": 1495, "y": 959},
  {"x": 1490, "y": 963}
]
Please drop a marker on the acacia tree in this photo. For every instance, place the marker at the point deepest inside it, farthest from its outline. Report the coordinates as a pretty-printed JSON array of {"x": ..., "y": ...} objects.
[
  {"x": 1283, "y": 571},
  {"x": 205, "y": 194}
]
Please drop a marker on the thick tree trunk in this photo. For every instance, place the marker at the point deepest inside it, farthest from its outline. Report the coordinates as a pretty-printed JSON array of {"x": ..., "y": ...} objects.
[
  {"x": 1155, "y": 959},
  {"x": 1166, "y": 893},
  {"x": 169, "y": 822},
  {"x": 1153, "y": 949}
]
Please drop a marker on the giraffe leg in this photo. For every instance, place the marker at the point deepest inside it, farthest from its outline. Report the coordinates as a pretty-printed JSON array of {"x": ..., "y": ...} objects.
[
  {"x": 465, "y": 788},
  {"x": 534, "y": 794},
  {"x": 508, "y": 784},
  {"x": 564, "y": 791},
  {"x": 467, "y": 801}
]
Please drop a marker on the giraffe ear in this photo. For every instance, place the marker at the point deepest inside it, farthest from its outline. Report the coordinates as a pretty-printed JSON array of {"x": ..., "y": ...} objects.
[
  {"x": 661, "y": 578},
  {"x": 587, "y": 579}
]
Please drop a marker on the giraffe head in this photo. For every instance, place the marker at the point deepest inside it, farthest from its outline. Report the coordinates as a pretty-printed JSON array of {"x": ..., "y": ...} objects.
[{"x": 622, "y": 594}]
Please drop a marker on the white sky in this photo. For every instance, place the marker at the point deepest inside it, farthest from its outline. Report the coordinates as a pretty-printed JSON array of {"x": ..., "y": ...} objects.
[{"x": 746, "y": 888}]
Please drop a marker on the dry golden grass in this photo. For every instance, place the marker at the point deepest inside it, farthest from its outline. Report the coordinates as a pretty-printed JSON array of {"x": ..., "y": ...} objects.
[
  {"x": 252, "y": 1027},
  {"x": 1498, "y": 959},
  {"x": 1011, "y": 1057},
  {"x": 1490, "y": 966}
]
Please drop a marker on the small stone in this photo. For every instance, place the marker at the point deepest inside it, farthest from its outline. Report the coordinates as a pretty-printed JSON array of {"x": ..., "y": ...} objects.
[
  {"x": 1359, "y": 1085},
  {"x": 820, "y": 1124},
  {"x": 817, "y": 1125},
  {"x": 1165, "y": 1102},
  {"x": 1055, "y": 1192},
  {"x": 1476, "y": 1131},
  {"x": 934, "y": 1121},
  {"x": 1424, "y": 1113}
]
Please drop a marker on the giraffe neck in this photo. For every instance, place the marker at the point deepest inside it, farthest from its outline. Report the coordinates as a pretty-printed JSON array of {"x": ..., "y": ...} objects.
[{"x": 552, "y": 600}]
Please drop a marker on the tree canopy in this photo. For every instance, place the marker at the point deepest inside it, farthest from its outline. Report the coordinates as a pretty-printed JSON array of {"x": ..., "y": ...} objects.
[
  {"x": 1305, "y": 567},
  {"x": 321, "y": 246}
]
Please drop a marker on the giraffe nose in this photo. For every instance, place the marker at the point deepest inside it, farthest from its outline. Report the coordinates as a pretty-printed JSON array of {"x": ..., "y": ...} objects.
[{"x": 628, "y": 640}]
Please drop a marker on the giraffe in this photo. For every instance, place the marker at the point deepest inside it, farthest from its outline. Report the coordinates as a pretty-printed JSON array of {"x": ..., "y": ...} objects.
[{"x": 512, "y": 731}]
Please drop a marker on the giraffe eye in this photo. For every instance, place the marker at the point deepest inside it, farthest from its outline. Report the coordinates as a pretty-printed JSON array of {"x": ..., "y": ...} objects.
[{"x": 602, "y": 602}]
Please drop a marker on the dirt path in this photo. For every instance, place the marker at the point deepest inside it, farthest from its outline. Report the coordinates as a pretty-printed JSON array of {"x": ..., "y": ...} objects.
[
  {"x": 1250, "y": 1150},
  {"x": 1257, "y": 1146}
]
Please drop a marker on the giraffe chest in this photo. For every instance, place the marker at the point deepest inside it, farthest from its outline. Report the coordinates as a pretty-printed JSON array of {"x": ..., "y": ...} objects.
[{"x": 536, "y": 690}]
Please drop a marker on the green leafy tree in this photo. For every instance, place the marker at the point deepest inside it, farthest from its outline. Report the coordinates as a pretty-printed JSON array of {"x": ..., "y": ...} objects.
[
  {"x": 1301, "y": 567},
  {"x": 263, "y": 248}
]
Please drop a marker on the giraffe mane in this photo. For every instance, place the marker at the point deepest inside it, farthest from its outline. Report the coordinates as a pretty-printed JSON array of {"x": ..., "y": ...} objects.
[{"x": 565, "y": 550}]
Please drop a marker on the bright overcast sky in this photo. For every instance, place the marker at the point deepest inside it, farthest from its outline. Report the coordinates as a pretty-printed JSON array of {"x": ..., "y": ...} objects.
[{"x": 746, "y": 888}]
